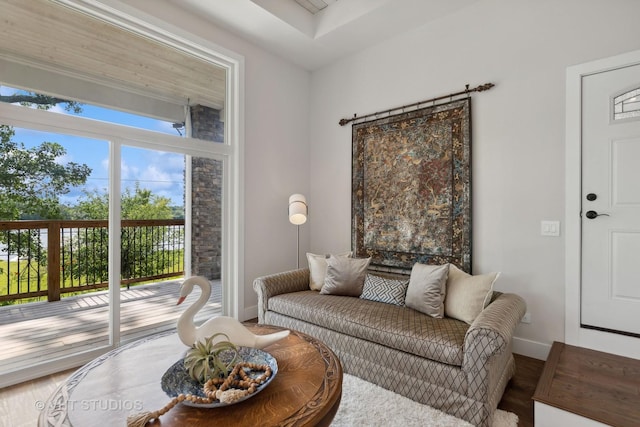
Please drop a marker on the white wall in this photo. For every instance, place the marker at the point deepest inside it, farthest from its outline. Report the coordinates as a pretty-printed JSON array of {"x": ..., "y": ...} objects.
[
  {"x": 294, "y": 144},
  {"x": 518, "y": 129},
  {"x": 276, "y": 106}
]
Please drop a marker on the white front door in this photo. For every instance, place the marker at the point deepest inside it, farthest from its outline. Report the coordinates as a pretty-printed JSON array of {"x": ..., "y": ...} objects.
[{"x": 610, "y": 297}]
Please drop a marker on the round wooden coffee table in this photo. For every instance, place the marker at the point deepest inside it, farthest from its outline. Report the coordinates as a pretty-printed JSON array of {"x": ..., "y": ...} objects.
[{"x": 306, "y": 390}]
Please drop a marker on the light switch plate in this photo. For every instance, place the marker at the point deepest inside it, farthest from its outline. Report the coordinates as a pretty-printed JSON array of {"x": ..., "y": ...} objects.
[{"x": 550, "y": 228}]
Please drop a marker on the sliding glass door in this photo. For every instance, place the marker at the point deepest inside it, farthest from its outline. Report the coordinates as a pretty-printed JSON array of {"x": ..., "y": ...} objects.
[
  {"x": 151, "y": 137},
  {"x": 117, "y": 219},
  {"x": 50, "y": 251}
]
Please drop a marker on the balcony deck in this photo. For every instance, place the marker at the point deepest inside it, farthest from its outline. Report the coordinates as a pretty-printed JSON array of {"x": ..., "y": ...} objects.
[{"x": 37, "y": 332}]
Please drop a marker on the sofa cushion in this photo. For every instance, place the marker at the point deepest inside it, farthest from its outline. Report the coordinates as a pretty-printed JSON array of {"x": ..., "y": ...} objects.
[{"x": 390, "y": 325}]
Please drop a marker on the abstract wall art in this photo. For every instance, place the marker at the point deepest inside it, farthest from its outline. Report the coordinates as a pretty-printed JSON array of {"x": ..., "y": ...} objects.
[{"x": 411, "y": 187}]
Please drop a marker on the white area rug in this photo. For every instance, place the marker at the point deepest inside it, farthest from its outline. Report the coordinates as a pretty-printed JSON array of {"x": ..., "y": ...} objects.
[{"x": 366, "y": 404}]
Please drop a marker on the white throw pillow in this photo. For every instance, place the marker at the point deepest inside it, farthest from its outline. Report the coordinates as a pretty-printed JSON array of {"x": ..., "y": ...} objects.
[
  {"x": 318, "y": 269},
  {"x": 467, "y": 295},
  {"x": 427, "y": 287},
  {"x": 345, "y": 276}
]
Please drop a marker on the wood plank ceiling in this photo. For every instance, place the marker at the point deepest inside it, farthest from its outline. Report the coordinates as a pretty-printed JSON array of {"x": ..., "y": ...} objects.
[{"x": 44, "y": 34}]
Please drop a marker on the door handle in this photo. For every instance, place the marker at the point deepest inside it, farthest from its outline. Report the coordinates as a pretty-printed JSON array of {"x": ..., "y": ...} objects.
[{"x": 594, "y": 214}]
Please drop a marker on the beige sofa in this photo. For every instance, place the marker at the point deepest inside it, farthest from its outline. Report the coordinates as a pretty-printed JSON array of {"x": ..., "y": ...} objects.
[{"x": 448, "y": 364}]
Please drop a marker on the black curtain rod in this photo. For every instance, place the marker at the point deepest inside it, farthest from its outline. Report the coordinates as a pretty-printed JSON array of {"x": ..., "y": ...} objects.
[{"x": 466, "y": 91}]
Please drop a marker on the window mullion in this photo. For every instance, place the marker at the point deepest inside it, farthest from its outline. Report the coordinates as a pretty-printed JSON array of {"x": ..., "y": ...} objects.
[{"x": 115, "y": 246}]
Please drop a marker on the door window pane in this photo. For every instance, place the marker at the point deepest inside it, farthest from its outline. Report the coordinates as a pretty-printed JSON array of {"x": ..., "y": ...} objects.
[{"x": 627, "y": 105}]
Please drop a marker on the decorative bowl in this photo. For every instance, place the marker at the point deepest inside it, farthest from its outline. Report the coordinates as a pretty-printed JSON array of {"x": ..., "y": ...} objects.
[{"x": 178, "y": 381}]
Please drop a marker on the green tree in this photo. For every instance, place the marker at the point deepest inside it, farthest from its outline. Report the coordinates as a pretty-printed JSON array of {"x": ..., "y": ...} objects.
[
  {"x": 32, "y": 179},
  {"x": 140, "y": 203},
  {"x": 85, "y": 254}
]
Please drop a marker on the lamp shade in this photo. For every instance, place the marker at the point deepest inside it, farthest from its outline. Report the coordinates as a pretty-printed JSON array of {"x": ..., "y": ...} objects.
[{"x": 297, "y": 209}]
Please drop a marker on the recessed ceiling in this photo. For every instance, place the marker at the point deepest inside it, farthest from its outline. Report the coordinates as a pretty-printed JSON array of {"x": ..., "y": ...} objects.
[
  {"x": 314, "y": 40},
  {"x": 314, "y": 6}
]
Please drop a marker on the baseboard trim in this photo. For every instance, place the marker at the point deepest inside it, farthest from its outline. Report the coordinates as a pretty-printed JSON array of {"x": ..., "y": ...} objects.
[
  {"x": 534, "y": 349},
  {"x": 250, "y": 313}
]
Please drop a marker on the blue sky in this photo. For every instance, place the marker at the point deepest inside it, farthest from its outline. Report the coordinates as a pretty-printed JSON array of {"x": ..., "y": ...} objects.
[{"x": 160, "y": 172}]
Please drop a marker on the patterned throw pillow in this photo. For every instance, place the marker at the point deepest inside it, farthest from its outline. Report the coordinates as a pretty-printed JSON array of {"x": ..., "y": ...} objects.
[{"x": 383, "y": 289}]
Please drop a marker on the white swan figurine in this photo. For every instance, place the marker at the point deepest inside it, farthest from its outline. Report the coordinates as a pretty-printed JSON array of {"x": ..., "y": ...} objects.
[{"x": 233, "y": 329}]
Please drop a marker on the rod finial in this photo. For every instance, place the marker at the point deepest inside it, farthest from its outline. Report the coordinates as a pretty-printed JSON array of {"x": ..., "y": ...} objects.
[
  {"x": 343, "y": 122},
  {"x": 484, "y": 87}
]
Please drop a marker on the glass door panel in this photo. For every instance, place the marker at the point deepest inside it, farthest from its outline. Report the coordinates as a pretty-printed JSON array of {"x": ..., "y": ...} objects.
[
  {"x": 53, "y": 299},
  {"x": 156, "y": 241}
]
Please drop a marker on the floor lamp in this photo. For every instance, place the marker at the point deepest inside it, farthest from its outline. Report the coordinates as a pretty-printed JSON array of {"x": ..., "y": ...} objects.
[{"x": 297, "y": 216}]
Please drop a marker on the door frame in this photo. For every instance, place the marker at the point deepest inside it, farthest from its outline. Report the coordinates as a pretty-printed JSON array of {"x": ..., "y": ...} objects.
[
  {"x": 574, "y": 333},
  {"x": 121, "y": 14}
]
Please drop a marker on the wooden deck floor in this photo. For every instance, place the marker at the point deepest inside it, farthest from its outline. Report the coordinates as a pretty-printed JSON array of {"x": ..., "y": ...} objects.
[{"x": 42, "y": 331}]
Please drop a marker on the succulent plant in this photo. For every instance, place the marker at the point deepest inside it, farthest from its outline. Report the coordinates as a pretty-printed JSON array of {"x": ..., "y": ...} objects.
[{"x": 205, "y": 360}]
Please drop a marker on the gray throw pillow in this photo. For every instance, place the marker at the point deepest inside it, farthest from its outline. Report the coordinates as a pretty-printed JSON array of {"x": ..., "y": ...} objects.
[
  {"x": 318, "y": 269},
  {"x": 384, "y": 289},
  {"x": 345, "y": 276},
  {"x": 427, "y": 287}
]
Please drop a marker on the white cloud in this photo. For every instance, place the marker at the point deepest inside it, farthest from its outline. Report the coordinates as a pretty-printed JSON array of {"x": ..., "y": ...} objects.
[
  {"x": 59, "y": 109},
  {"x": 129, "y": 171},
  {"x": 64, "y": 159},
  {"x": 162, "y": 173},
  {"x": 152, "y": 174}
]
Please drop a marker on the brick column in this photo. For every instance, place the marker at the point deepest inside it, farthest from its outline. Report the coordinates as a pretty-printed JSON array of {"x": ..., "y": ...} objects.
[{"x": 206, "y": 196}]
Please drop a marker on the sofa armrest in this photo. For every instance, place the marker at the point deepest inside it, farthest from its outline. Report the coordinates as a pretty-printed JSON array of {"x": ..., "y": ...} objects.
[
  {"x": 279, "y": 283},
  {"x": 489, "y": 336}
]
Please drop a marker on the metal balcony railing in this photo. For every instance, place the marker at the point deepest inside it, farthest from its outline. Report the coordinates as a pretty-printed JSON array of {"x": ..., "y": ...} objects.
[{"x": 50, "y": 258}]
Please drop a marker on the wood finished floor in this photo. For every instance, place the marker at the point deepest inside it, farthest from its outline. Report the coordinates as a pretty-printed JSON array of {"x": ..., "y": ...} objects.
[
  {"x": 517, "y": 396},
  {"x": 18, "y": 403}
]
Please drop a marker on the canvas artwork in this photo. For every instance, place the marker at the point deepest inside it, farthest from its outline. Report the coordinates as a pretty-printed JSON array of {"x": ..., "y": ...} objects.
[{"x": 411, "y": 188}]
